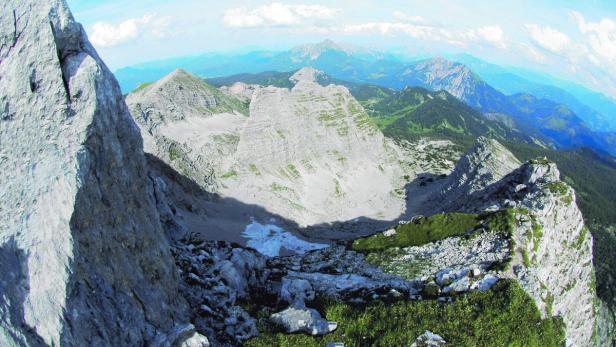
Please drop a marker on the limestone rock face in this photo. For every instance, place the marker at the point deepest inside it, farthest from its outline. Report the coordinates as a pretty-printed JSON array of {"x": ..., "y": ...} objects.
[
  {"x": 553, "y": 252},
  {"x": 188, "y": 124},
  {"x": 83, "y": 258},
  {"x": 486, "y": 163},
  {"x": 178, "y": 96},
  {"x": 309, "y": 154}
]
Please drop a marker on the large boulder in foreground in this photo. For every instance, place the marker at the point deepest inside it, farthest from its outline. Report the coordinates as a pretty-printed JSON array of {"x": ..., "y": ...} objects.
[{"x": 83, "y": 258}]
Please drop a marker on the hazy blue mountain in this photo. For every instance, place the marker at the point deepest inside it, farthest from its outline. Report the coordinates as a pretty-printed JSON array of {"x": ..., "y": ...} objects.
[
  {"x": 364, "y": 65},
  {"x": 554, "y": 121},
  {"x": 350, "y": 62},
  {"x": 596, "y": 109}
]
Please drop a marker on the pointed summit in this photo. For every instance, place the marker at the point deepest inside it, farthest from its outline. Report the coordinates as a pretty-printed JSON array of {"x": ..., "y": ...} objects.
[
  {"x": 308, "y": 74},
  {"x": 180, "y": 94},
  {"x": 484, "y": 164},
  {"x": 173, "y": 79}
]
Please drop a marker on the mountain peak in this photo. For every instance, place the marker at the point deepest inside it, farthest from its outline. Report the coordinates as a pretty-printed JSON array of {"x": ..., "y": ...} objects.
[
  {"x": 444, "y": 63},
  {"x": 307, "y": 73},
  {"x": 179, "y": 72},
  {"x": 197, "y": 99},
  {"x": 313, "y": 51},
  {"x": 179, "y": 76}
]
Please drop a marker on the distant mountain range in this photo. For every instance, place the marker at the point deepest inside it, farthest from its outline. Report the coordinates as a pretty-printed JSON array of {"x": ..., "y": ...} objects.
[
  {"x": 553, "y": 122},
  {"x": 597, "y": 110}
]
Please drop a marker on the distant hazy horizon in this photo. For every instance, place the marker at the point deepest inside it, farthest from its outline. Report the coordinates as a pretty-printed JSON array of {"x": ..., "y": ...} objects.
[{"x": 572, "y": 41}]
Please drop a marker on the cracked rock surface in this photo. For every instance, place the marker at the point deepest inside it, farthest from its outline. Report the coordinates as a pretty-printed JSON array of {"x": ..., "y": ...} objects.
[{"x": 84, "y": 260}]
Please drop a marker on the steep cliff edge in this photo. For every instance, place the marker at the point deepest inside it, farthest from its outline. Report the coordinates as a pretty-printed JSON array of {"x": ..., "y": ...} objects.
[
  {"x": 552, "y": 256},
  {"x": 83, "y": 257}
]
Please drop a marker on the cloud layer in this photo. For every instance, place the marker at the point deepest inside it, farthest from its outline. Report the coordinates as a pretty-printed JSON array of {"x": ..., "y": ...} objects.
[
  {"x": 105, "y": 34},
  {"x": 586, "y": 51},
  {"x": 276, "y": 14},
  {"x": 549, "y": 38},
  {"x": 579, "y": 46}
]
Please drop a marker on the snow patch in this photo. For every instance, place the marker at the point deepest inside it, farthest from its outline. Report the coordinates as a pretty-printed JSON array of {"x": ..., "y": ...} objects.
[{"x": 268, "y": 239}]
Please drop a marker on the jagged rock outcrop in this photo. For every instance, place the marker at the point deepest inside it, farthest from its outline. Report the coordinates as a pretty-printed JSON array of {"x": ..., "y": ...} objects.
[
  {"x": 220, "y": 279},
  {"x": 451, "y": 266},
  {"x": 553, "y": 248},
  {"x": 482, "y": 166},
  {"x": 83, "y": 258}
]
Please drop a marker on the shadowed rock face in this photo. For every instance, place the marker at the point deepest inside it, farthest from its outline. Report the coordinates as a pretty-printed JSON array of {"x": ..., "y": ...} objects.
[
  {"x": 486, "y": 163},
  {"x": 77, "y": 216}
]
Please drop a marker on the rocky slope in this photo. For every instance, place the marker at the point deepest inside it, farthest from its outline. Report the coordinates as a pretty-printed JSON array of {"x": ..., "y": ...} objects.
[
  {"x": 553, "y": 248},
  {"x": 188, "y": 123},
  {"x": 305, "y": 153},
  {"x": 83, "y": 257}
]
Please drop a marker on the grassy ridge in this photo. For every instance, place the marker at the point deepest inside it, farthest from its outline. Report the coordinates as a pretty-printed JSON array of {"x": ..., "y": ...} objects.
[
  {"x": 416, "y": 112},
  {"x": 436, "y": 227},
  {"x": 433, "y": 228},
  {"x": 502, "y": 316}
]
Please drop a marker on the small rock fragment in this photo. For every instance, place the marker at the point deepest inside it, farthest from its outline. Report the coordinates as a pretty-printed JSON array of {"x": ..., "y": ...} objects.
[
  {"x": 429, "y": 339},
  {"x": 389, "y": 233}
]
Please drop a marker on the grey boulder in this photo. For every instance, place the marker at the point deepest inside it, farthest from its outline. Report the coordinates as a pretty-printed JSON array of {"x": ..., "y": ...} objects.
[{"x": 306, "y": 320}]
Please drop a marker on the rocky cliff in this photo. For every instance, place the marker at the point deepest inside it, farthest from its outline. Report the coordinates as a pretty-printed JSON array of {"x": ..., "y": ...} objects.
[
  {"x": 309, "y": 153},
  {"x": 552, "y": 256},
  {"x": 83, "y": 258}
]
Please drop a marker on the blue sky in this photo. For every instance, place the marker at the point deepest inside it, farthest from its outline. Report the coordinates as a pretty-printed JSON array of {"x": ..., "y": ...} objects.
[{"x": 573, "y": 40}]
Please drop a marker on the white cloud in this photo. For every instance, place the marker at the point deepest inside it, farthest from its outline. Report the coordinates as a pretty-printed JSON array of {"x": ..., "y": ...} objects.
[
  {"x": 549, "y": 38},
  {"x": 532, "y": 52},
  {"x": 493, "y": 34},
  {"x": 405, "y": 17},
  {"x": 588, "y": 55},
  {"x": 599, "y": 48},
  {"x": 392, "y": 28},
  {"x": 601, "y": 36},
  {"x": 276, "y": 14},
  {"x": 105, "y": 34}
]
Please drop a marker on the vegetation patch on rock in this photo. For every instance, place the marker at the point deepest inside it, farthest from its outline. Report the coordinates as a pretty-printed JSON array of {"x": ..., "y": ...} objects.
[
  {"x": 502, "y": 316},
  {"x": 437, "y": 227}
]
